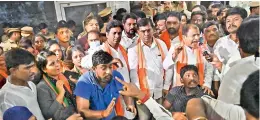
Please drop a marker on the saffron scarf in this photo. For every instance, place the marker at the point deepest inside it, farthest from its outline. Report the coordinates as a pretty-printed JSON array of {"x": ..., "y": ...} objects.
[
  {"x": 165, "y": 37},
  {"x": 141, "y": 70},
  {"x": 54, "y": 88},
  {"x": 119, "y": 105},
  {"x": 182, "y": 61}
]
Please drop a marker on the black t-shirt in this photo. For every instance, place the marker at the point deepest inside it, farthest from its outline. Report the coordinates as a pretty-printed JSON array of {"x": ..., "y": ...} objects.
[{"x": 178, "y": 98}]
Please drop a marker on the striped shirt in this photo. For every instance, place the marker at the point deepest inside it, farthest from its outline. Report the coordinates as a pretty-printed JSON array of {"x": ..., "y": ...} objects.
[{"x": 178, "y": 98}]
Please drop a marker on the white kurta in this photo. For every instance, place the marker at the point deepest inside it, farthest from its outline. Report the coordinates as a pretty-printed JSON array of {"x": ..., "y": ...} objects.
[{"x": 153, "y": 65}]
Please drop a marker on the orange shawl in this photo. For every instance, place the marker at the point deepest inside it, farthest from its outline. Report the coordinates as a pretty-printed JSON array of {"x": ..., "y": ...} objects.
[
  {"x": 119, "y": 106},
  {"x": 141, "y": 70},
  {"x": 182, "y": 61},
  {"x": 165, "y": 37}
]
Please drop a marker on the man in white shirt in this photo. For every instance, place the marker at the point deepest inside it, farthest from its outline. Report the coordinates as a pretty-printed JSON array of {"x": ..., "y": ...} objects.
[
  {"x": 129, "y": 36},
  {"x": 191, "y": 51},
  {"x": 146, "y": 69},
  {"x": 248, "y": 36},
  {"x": 112, "y": 46},
  {"x": 19, "y": 90},
  {"x": 226, "y": 46},
  {"x": 212, "y": 109}
]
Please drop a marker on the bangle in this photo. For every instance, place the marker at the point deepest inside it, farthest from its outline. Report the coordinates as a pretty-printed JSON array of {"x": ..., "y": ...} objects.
[
  {"x": 102, "y": 114},
  {"x": 200, "y": 118}
]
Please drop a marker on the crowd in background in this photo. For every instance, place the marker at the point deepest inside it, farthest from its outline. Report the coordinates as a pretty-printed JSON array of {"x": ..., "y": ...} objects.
[{"x": 157, "y": 61}]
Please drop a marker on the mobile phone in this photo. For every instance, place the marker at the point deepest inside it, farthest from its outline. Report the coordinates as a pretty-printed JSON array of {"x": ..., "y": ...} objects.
[{"x": 207, "y": 56}]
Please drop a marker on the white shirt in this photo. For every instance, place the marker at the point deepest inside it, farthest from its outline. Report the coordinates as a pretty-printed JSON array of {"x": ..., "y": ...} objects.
[
  {"x": 224, "y": 48},
  {"x": 12, "y": 95},
  {"x": 219, "y": 110},
  {"x": 175, "y": 41},
  {"x": 158, "y": 111},
  {"x": 153, "y": 65},
  {"x": 128, "y": 43},
  {"x": 168, "y": 63},
  {"x": 229, "y": 90},
  {"x": 86, "y": 61}
]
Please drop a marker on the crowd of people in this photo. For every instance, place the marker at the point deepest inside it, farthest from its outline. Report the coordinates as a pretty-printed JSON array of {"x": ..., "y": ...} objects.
[{"x": 142, "y": 64}]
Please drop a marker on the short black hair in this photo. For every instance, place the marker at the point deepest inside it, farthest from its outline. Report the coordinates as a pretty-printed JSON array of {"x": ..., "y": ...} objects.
[
  {"x": 187, "y": 27},
  {"x": 217, "y": 5},
  {"x": 106, "y": 18},
  {"x": 61, "y": 24},
  {"x": 71, "y": 23},
  {"x": 251, "y": 8},
  {"x": 127, "y": 16},
  {"x": 139, "y": 14},
  {"x": 248, "y": 35},
  {"x": 208, "y": 24},
  {"x": 120, "y": 13},
  {"x": 16, "y": 57},
  {"x": 183, "y": 14},
  {"x": 42, "y": 26},
  {"x": 143, "y": 22},
  {"x": 119, "y": 118},
  {"x": 159, "y": 16},
  {"x": 237, "y": 10},
  {"x": 42, "y": 59},
  {"x": 173, "y": 14},
  {"x": 249, "y": 95},
  {"x": 220, "y": 10},
  {"x": 203, "y": 14},
  {"x": 186, "y": 68},
  {"x": 25, "y": 43},
  {"x": 202, "y": 8},
  {"x": 101, "y": 57},
  {"x": 113, "y": 24}
]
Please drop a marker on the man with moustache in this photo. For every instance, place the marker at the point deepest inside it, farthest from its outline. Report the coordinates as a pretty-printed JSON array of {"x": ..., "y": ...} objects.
[
  {"x": 129, "y": 36},
  {"x": 198, "y": 18},
  {"x": 178, "y": 96},
  {"x": 19, "y": 89},
  {"x": 211, "y": 34},
  {"x": 227, "y": 47},
  {"x": 189, "y": 54},
  {"x": 159, "y": 20},
  {"x": 171, "y": 35},
  {"x": 97, "y": 90}
]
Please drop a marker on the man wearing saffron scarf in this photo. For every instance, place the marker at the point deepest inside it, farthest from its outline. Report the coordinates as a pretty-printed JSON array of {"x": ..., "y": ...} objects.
[
  {"x": 146, "y": 69},
  {"x": 97, "y": 91},
  {"x": 171, "y": 35},
  {"x": 189, "y": 53}
]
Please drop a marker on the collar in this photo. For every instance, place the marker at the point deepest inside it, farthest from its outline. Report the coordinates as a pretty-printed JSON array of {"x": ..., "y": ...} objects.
[
  {"x": 153, "y": 44},
  {"x": 125, "y": 36},
  {"x": 246, "y": 59},
  {"x": 9, "y": 84}
]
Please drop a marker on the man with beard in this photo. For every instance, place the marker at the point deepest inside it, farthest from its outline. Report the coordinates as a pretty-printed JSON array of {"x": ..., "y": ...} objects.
[
  {"x": 97, "y": 91},
  {"x": 171, "y": 35},
  {"x": 189, "y": 54},
  {"x": 129, "y": 36},
  {"x": 19, "y": 90},
  {"x": 178, "y": 96},
  {"x": 159, "y": 21},
  {"x": 198, "y": 18},
  {"x": 227, "y": 47}
]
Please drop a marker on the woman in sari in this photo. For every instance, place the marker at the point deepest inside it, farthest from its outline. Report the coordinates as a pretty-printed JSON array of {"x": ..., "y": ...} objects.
[
  {"x": 55, "y": 91},
  {"x": 39, "y": 42}
]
